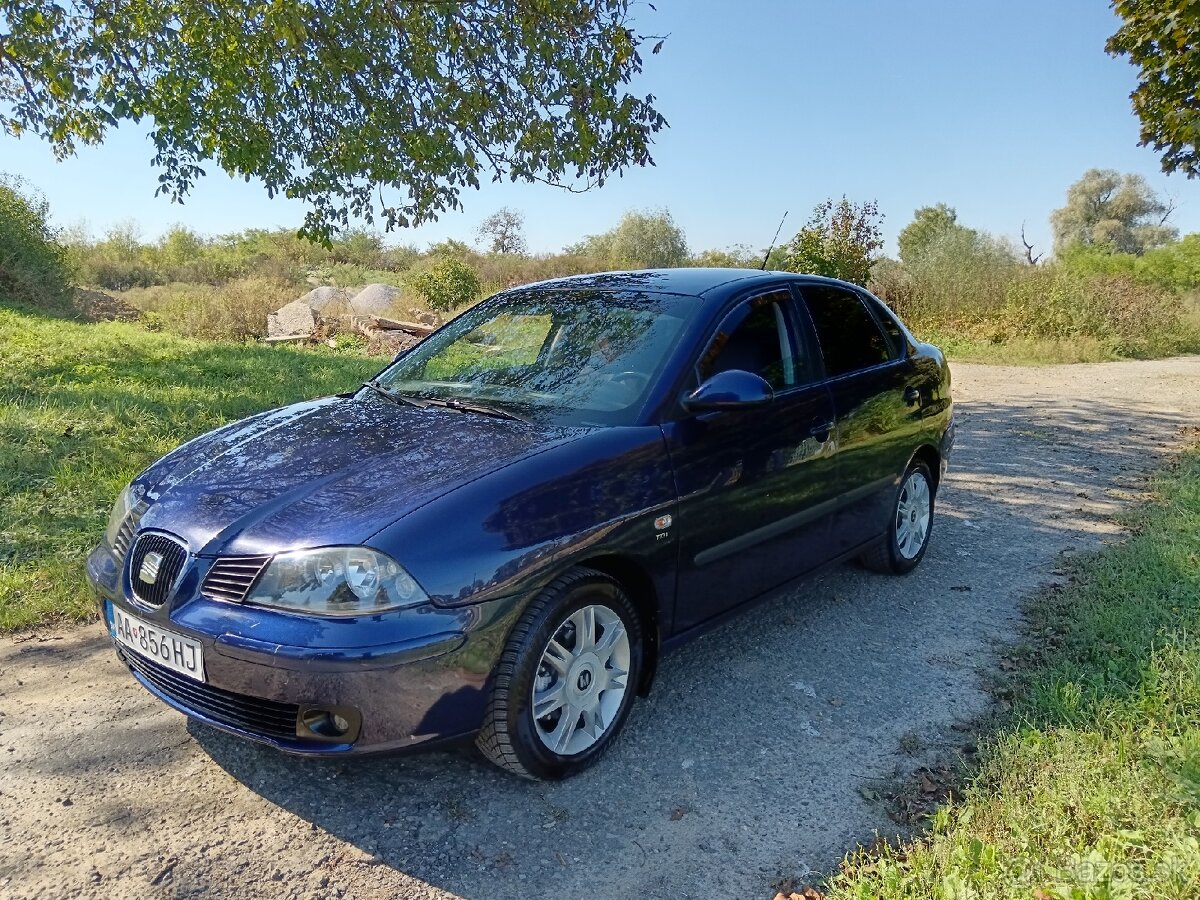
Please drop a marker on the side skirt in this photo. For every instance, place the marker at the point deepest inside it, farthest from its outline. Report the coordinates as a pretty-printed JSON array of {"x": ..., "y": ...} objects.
[{"x": 683, "y": 637}]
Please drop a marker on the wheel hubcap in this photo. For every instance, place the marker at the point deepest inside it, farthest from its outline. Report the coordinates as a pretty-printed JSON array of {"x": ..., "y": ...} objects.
[
  {"x": 581, "y": 680},
  {"x": 913, "y": 513}
]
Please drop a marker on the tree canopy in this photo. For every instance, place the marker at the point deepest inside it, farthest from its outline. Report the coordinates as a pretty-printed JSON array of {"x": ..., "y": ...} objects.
[
  {"x": 840, "y": 241},
  {"x": 928, "y": 224},
  {"x": 1114, "y": 211},
  {"x": 1159, "y": 37},
  {"x": 336, "y": 103}
]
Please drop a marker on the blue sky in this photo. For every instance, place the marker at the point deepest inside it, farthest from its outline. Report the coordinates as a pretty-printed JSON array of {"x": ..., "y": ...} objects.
[{"x": 992, "y": 107}]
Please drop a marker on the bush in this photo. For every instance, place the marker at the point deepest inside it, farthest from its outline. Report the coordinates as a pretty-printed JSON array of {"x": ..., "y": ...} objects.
[
  {"x": 1129, "y": 317},
  {"x": 447, "y": 284},
  {"x": 235, "y": 311},
  {"x": 33, "y": 266}
]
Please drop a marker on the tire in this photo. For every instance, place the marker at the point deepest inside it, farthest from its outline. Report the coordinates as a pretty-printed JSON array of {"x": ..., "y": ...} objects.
[
  {"x": 549, "y": 653},
  {"x": 903, "y": 547}
]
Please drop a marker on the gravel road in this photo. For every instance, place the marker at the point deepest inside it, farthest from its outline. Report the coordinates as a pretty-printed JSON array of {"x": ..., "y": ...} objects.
[{"x": 744, "y": 764}]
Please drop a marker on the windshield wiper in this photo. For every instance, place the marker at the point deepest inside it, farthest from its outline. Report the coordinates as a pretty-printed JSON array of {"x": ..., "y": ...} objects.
[
  {"x": 391, "y": 395},
  {"x": 481, "y": 408}
]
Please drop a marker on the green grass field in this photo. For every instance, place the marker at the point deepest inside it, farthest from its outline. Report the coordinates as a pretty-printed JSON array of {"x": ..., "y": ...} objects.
[
  {"x": 1091, "y": 788},
  {"x": 83, "y": 408}
]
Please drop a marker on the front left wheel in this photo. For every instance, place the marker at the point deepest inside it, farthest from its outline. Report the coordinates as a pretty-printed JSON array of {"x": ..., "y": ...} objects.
[{"x": 566, "y": 679}]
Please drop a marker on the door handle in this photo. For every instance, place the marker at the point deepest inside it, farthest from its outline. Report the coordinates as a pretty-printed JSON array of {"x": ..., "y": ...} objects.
[
  {"x": 820, "y": 430},
  {"x": 911, "y": 395}
]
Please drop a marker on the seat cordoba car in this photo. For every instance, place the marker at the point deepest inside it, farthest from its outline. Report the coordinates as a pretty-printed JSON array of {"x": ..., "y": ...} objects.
[{"x": 501, "y": 533}]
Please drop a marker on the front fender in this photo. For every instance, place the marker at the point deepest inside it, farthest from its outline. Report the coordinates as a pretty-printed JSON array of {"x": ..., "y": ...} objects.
[{"x": 513, "y": 531}]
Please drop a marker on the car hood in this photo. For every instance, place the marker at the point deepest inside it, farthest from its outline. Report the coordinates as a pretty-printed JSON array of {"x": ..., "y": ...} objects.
[{"x": 332, "y": 471}]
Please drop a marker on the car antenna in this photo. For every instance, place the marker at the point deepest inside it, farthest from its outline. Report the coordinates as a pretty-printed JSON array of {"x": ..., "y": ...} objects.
[{"x": 763, "y": 267}]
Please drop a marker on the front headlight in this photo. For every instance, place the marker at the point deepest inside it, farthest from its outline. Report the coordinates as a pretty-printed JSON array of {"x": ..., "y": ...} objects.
[
  {"x": 336, "y": 581},
  {"x": 126, "y": 501}
]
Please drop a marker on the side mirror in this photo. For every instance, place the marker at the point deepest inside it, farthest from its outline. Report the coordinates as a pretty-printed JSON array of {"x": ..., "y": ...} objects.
[{"x": 732, "y": 389}]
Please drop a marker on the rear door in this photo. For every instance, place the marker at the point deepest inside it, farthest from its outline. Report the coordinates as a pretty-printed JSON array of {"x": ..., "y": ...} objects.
[
  {"x": 877, "y": 399},
  {"x": 756, "y": 486}
]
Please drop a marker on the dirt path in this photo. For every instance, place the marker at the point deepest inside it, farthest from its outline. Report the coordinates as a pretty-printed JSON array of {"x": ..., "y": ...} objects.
[{"x": 743, "y": 766}]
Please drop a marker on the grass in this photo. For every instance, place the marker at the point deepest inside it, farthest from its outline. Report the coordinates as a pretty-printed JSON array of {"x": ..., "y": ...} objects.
[
  {"x": 1021, "y": 352},
  {"x": 83, "y": 408},
  {"x": 1090, "y": 787}
]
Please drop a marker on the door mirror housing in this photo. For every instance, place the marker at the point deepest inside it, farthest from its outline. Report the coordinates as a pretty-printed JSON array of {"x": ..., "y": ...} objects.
[{"x": 731, "y": 389}]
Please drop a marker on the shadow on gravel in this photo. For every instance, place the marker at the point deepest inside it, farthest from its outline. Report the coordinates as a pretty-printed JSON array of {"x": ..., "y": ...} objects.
[{"x": 745, "y": 762}]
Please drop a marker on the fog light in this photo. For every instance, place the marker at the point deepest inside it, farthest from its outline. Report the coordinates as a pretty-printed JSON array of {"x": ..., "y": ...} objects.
[{"x": 325, "y": 723}]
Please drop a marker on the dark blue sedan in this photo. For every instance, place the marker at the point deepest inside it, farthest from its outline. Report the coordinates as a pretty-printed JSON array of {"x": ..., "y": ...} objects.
[{"x": 502, "y": 532}]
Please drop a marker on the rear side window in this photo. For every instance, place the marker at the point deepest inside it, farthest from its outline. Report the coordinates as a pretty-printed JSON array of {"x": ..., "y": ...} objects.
[{"x": 850, "y": 337}]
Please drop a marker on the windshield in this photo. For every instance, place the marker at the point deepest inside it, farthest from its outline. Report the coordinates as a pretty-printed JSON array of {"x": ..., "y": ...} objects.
[{"x": 577, "y": 357}]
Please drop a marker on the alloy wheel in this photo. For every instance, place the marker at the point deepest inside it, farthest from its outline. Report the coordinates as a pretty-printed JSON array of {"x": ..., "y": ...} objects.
[
  {"x": 913, "y": 513},
  {"x": 581, "y": 680}
]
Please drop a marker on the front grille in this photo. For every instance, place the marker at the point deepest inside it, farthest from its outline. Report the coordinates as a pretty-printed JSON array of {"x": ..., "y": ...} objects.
[
  {"x": 231, "y": 577},
  {"x": 267, "y": 718},
  {"x": 128, "y": 527},
  {"x": 154, "y": 567}
]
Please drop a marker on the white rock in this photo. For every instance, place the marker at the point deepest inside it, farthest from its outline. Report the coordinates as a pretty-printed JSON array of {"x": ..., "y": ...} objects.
[
  {"x": 321, "y": 297},
  {"x": 297, "y": 318},
  {"x": 374, "y": 299}
]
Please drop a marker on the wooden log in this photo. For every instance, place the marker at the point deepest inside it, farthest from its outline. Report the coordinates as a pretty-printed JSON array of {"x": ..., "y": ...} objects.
[{"x": 411, "y": 327}]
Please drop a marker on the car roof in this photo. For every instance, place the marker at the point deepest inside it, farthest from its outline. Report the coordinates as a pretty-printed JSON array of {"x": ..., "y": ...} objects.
[{"x": 695, "y": 282}]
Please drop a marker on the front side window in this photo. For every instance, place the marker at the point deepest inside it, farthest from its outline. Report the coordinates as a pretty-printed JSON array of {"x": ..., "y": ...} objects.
[
  {"x": 755, "y": 339},
  {"x": 850, "y": 337},
  {"x": 574, "y": 357}
]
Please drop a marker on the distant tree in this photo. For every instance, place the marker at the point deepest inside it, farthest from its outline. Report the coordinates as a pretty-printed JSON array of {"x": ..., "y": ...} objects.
[
  {"x": 503, "y": 231},
  {"x": 928, "y": 224},
  {"x": 1114, "y": 211},
  {"x": 841, "y": 240},
  {"x": 401, "y": 257},
  {"x": 446, "y": 285},
  {"x": 358, "y": 246},
  {"x": 737, "y": 257},
  {"x": 643, "y": 240},
  {"x": 331, "y": 102},
  {"x": 1159, "y": 37},
  {"x": 180, "y": 246},
  {"x": 451, "y": 247},
  {"x": 1030, "y": 257}
]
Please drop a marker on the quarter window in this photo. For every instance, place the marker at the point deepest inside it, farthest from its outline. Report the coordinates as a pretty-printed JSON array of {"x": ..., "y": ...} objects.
[
  {"x": 888, "y": 320},
  {"x": 849, "y": 335}
]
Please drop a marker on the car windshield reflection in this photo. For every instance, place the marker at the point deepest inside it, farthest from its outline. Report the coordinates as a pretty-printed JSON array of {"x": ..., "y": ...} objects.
[{"x": 582, "y": 356}]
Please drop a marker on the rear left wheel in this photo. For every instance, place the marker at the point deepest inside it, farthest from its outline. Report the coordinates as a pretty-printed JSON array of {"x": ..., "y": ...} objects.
[
  {"x": 565, "y": 680},
  {"x": 904, "y": 545}
]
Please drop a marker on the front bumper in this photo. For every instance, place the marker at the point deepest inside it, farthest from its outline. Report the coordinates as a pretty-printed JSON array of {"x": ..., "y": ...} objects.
[{"x": 401, "y": 680}]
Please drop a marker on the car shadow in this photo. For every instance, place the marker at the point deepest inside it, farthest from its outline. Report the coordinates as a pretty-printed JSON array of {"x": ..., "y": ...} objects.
[{"x": 745, "y": 762}]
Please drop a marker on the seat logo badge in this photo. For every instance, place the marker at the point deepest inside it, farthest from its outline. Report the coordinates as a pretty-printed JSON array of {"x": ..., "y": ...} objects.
[{"x": 151, "y": 563}]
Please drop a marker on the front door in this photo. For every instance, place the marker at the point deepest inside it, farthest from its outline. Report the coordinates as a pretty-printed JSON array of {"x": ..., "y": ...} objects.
[{"x": 756, "y": 487}]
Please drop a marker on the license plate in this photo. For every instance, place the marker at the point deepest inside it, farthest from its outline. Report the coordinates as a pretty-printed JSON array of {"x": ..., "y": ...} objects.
[{"x": 168, "y": 649}]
